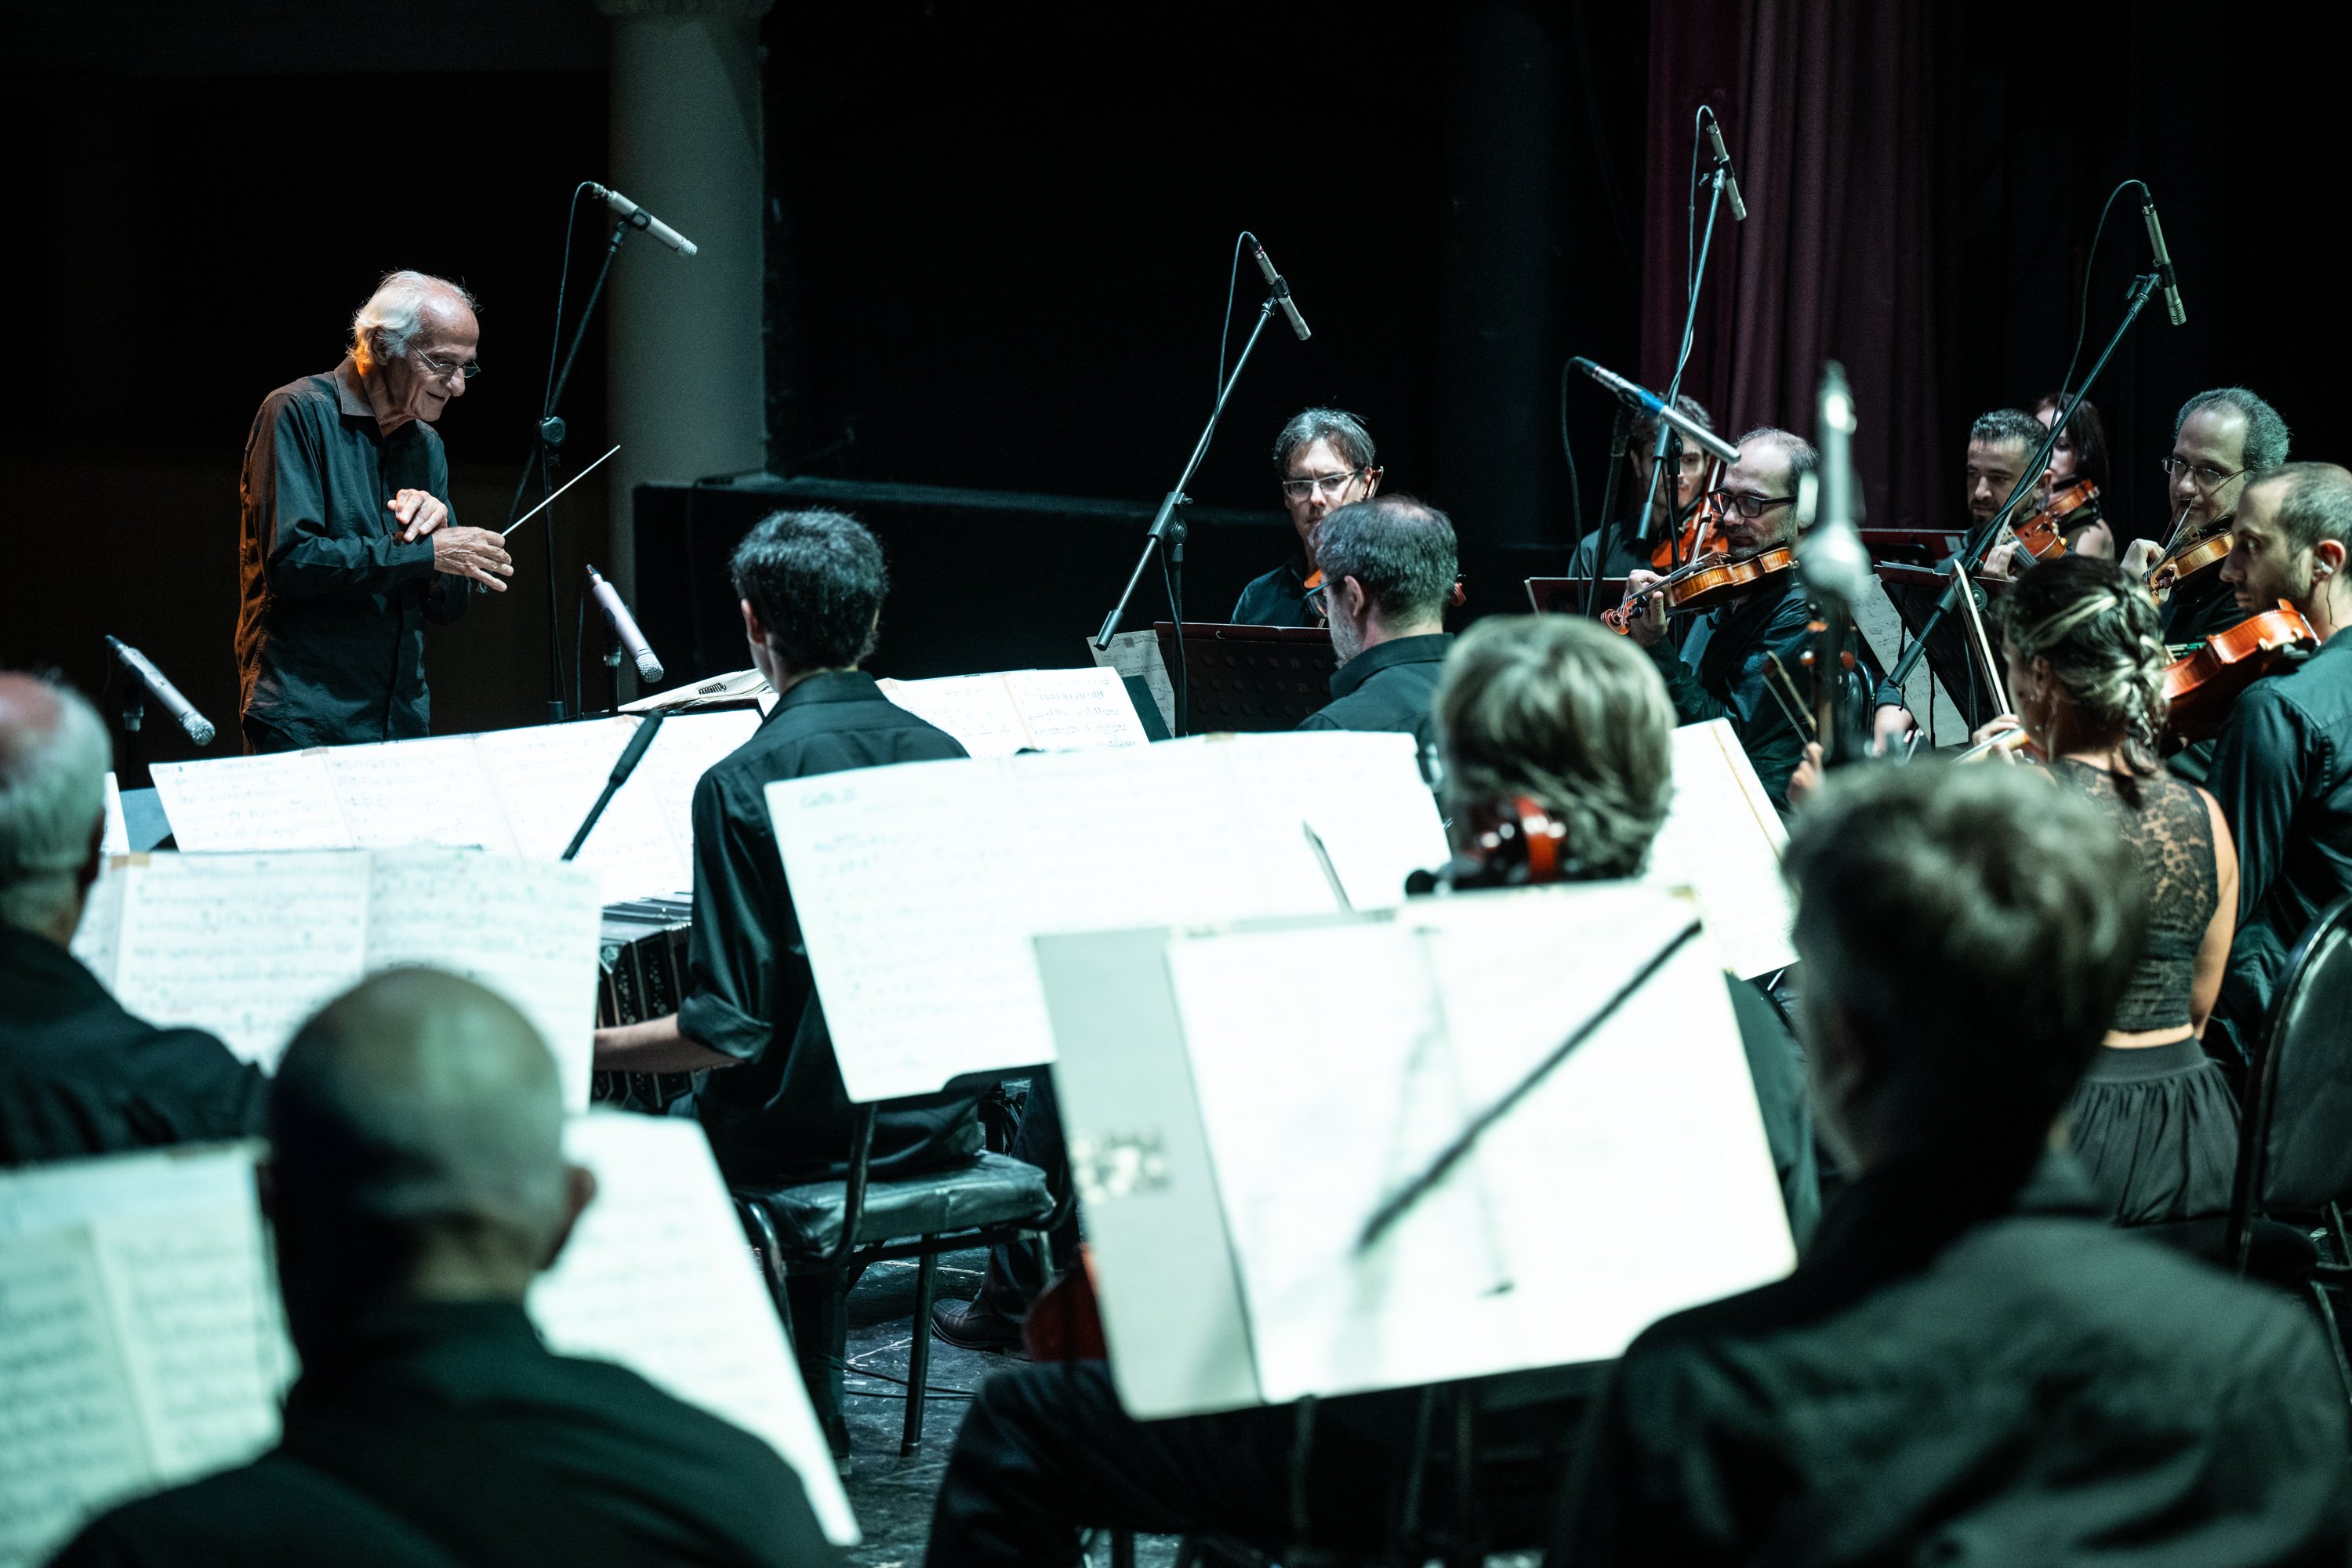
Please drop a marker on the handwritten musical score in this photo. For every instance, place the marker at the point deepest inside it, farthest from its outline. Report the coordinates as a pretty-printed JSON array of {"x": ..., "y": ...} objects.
[
  {"x": 660, "y": 1249},
  {"x": 964, "y": 862},
  {"x": 1033, "y": 709},
  {"x": 1540, "y": 1248},
  {"x": 417, "y": 792},
  {"x": 248, "y": 946},
  {"x": 282, "y": 801},
  {"x": 1722, "y": 839}
]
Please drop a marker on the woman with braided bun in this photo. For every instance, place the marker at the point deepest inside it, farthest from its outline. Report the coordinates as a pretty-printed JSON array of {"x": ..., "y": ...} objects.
[{"x": 2153, "y": 1121}]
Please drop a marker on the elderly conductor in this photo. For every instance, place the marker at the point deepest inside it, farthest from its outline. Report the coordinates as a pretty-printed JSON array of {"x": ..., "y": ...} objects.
[{"x": 349, "y": 546}]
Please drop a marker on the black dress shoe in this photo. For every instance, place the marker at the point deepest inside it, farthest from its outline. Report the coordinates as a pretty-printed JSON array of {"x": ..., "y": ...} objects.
[{"x": 974, "y": 1326}]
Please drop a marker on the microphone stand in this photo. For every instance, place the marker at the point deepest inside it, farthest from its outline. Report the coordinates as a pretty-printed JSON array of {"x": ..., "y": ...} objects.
[
  {"x": 1167, "y": 534},
  {"x": 1979, "y": 543},
  {"x": 1675, "y": 387},
  {"x": 547, "y": 444},
  {"x": 1621, "y": 435}
]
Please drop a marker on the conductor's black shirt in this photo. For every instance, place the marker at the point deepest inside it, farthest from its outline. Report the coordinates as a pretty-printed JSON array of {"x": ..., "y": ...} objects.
[
  {"x": 330, "y": 629},
  {"x": 783, "y": 1116},
  {"x": 447, "y": 1434},
  {"x": 1953, "y": 1377},
  {"x": 78, "y": 1076},
  {"x": 1389, "y": 686}
]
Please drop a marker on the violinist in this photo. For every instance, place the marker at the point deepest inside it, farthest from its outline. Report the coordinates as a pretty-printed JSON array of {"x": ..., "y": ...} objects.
[
  {"x": 1388, "y": 567},
  {"x": 1999, "y": 446},
  {"x": 2218, "y": 437},
  {"x": 1626, "y": 553},
  {"x": 1326, "y": 460},
  {"x": 2282, "y": 769},
  {"x": 1727, "y": 669},
  {"x": 2079, "y": 458},
  {"x": 2153, "y": 1121}
]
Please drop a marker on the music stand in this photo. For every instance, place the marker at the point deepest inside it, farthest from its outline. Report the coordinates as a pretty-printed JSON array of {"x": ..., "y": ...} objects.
[
  {"x": 1566, "y": 595},
  {"x": 1250, "y": 679},
  {"x": 1914, "y": 591}
]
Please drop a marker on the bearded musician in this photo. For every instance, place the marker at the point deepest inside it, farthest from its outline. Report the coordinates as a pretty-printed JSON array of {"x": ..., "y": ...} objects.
[
  {"x": 1745, "y": 662},
  {"x": 2219, "y": 439}
]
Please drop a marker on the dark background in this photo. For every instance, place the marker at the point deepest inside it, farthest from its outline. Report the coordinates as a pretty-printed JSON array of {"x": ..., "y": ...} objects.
[{"x": 999, "y": 244}]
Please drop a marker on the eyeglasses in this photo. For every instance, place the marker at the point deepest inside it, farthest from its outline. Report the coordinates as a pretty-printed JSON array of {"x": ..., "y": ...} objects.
[
  {"x": 1321, "y": 484},
  {"x": 443, "y": 370},
  {"x": 2204, "y": 476},
  {"x": 1748, "y": 506}
]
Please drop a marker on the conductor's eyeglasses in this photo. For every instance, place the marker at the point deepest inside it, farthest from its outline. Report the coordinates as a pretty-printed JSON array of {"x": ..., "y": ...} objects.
[
  {"x": 1321, "y": 484},
  {"x": 2204, "y": 476},
  {"x": 1747, "y": 505},
  {"x": 443, "y": 370}
]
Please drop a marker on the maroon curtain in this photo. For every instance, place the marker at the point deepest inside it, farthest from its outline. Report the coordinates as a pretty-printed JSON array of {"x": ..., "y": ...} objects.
[{"x": 1841, "y": 119}]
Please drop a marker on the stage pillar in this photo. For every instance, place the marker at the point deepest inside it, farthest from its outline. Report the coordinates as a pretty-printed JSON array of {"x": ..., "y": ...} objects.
[{"x": 687, "y": 380}]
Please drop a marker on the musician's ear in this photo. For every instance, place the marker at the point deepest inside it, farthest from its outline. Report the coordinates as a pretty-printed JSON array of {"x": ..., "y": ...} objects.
[{"x": 2327, "y": 559}]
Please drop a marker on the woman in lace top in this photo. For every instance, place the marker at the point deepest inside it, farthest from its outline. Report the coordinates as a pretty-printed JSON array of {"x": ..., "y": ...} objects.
[{"x": 2153, "y": 1121}]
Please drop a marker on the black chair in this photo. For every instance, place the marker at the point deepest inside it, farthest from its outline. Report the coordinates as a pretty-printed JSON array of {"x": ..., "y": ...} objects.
[
  {"x": 837, "y": 1228},
  {"x": 2294, "y": 1138}
]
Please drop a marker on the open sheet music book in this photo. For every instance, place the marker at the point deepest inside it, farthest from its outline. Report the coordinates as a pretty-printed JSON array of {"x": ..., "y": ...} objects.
[
  {"x": 919, "y": 886},
  {"x": 1037, "y": 710},
  {"x": 142, "y": 1344},
  {"x": 1236, "y": 1117},
  {"x": 511, "y": 791},
  {"x": 141, "y": 1340},
  {"x": 248, "y": 946},
  {"x": 1722, "y": 839}
]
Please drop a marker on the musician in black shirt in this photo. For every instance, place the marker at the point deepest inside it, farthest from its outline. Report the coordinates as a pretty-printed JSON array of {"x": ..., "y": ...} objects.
[
  {"x": 1388, "y": 566},
  {"x": 1326, "y": 460},
  {"x": 2219, "y": 439},
  {"x": 1626, "y": 549},
  {"x": 1968, "y": 1363},
  {"x": 417, "y": 1185},
  {"x": 811, "y": 586},
  {"x": 2282, "y": 766},
  {"x": 78, "y": 1074}
]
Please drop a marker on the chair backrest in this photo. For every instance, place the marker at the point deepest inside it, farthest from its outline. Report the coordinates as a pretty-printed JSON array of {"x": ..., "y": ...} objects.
[{"x": 2294, "y": 1151}]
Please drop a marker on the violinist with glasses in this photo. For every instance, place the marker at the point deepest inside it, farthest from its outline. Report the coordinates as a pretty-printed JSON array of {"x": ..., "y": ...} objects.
[
  {"x": 1743, "y": 660},
  {"x": 2152, "y": 1120},
  {"x": 1326, "y": 460},
  {"x": 2218, "y": 437}
]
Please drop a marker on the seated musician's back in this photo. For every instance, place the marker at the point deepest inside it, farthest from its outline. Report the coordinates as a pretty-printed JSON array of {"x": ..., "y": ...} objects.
[
  {"x": 1967, "y": 1365},
  {"x": 78, "y": 1074},
  {"x": 417, "y": 1185}
]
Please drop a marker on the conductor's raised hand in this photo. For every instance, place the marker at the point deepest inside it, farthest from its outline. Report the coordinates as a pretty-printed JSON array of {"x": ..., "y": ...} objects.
[
  {"x": 475, "y": 553},
  {"x": 418, "y": 513}
]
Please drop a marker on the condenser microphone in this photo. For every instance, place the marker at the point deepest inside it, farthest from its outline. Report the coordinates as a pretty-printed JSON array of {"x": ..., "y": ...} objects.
[
  {"x": 199, "y": 728},
  {"x": 2172, "y": 306},
  {"x": 1723, "y": 162},
  {"x": 1281, "y": 289},
  {"x": 637, "y": 217},
  {"x": 624, "y": 628}
]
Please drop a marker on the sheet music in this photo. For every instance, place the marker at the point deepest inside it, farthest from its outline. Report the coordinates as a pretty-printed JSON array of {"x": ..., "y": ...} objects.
[
  {"x": 548, "y": 777},
  {"x": 247, "y": 946},
  {"x": 1137, "y": 653},
  {"x": 1722, "y": 839},
  {"x": 526, "y": 928},
  {"x": 963, "y": 862},
  {"x": 663, "y": 786},
  {"x": 94, "y": 939},
  {"x": 977, "y": 709},
  {"x": 1542, "y": 1248},
  {"x": 1376, "y": 839},
  {"x": 282, "y": 801},
  {"x": 657, "y": 1278},
  {"x": 116, "y": 839},
  {"x": 141, "y": 1343},
  {"x": 397, "y": 792},
  {"x": 1066, "y": 709}
]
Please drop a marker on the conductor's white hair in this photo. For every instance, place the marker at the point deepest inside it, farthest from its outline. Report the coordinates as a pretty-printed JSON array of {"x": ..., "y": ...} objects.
[
  {"x": 52, "y": 792},
  {"x": 394, "y": 313}
]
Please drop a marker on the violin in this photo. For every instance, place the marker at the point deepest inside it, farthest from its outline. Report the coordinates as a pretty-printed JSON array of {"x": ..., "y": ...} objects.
[
  {"x": 2203, "y": 686},
  {"x": 2194, "y": 559},
  {"x": 1700, "y": 534},
  {"x": 1709, "y": 581},
  {"x": 2043, "y": 535}
]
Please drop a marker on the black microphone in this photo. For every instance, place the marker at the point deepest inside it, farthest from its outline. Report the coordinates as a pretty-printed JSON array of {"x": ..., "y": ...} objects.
[
  {"x": 199, "y": 728},
  {"x": 1723, "y": 162},
  {"x": 638, "y": 217},
  {"x": 2163, "y": 261},
  {"x": 1281, "y": 289},
  {"x": 624, "y": 628}
]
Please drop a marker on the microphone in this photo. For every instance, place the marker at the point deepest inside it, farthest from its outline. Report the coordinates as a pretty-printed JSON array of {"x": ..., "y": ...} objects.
[
  {"x": 1692, "y": 430},
  {"x": 1281, "y": 289},
  {"x": 1723, "y": 162},
  {"x": 624, "y": 628},
  {"x": 638, "y": 217},
  {"x": 2163, "y": 262},
  {"x": 199, "y": 728}
]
